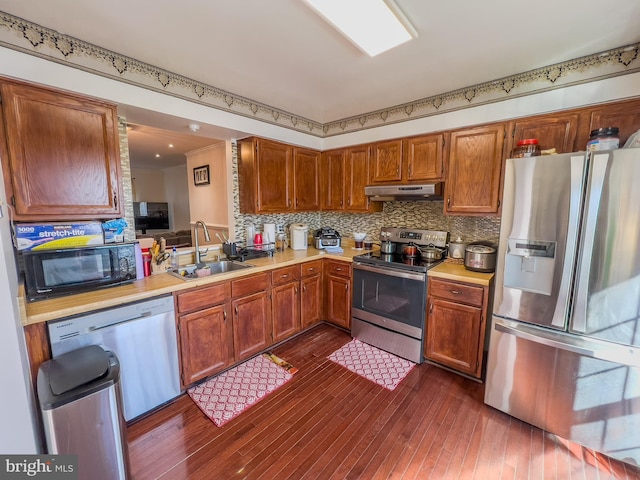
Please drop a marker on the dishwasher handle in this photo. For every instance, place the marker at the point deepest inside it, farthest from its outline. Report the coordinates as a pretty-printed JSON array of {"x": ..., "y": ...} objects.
[{"x": 121, "y": 322}]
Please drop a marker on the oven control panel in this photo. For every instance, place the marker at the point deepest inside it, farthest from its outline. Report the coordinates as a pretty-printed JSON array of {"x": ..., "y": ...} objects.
[{"x": 419, "y": 237}]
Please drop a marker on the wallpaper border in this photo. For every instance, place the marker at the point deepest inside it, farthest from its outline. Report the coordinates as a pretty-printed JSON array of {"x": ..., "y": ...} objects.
[{"x": 33, "y": 39}]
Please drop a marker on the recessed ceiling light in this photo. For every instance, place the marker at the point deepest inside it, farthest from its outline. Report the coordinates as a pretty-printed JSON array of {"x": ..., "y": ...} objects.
[
  {"x": 157, "y": 155},
  {"x": 171, "y": 145},
  {"x": 374, "y": 26}
]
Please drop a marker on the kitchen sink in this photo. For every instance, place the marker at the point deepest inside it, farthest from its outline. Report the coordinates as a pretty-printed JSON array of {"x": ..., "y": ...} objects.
[{"x": 191, "y": 272}]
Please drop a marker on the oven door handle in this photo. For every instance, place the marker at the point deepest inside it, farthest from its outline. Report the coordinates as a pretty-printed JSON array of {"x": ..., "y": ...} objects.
[{"x": 421, "y": 277}]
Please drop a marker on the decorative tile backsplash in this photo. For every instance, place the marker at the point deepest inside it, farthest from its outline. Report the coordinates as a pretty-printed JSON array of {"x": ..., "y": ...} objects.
[{"x": 422, "y": 215}]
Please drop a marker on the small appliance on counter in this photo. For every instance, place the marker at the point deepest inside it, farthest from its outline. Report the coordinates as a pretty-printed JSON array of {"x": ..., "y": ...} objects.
[
  {"x": 298, "y": 233},
  {"x": 457, "y": 248},
  {"x": 480, "y": 258},
  {"x": 326, "y": 237}
]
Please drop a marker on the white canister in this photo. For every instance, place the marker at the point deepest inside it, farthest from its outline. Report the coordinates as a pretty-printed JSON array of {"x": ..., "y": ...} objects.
[
  {"x": 457, "y": 248},
  {"x": 298, "y": 233},
  {"x": 269, "y": 234},
  {"x": 251, "y": 231}
]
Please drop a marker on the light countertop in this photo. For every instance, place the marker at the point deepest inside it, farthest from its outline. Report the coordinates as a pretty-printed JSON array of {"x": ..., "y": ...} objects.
[
  {"x": 159, "y": 284},
  {"x": 457, "y": 272},
  {"x": 165, "y": 284}
]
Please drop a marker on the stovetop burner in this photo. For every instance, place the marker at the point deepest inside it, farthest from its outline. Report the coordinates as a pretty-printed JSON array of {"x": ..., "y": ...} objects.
[
  {"x": 401, "y": 237},
  {"x": 397, "y": 260}
]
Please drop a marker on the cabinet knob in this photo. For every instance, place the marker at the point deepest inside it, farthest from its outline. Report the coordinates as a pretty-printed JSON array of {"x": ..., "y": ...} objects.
[
  {"x": 431, "y": 308},
  {"x": 236, "y": 312},
  {"x": 295, "y": 289},
  {"x": 225, "y": 314},
  {"x": 455, "y": 292},
  {"x": 448, "y": 202},
  {"x": 304, "y": 288}
]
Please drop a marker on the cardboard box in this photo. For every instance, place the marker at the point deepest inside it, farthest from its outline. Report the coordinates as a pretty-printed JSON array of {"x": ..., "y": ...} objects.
[{"x": 31, "y": 236}]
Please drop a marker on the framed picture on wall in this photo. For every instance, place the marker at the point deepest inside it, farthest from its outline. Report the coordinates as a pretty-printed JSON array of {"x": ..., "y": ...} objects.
[{"x": 201, "y": 175}]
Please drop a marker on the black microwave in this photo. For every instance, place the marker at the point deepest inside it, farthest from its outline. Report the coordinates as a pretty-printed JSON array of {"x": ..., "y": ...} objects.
[{"x": 53, "y": 273}]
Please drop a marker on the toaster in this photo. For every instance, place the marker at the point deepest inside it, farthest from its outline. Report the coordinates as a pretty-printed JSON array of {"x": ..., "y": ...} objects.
[{"x": 326, "y": 237}]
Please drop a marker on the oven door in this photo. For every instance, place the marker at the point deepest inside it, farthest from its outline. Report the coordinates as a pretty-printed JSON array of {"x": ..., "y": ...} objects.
[{"x": 390, "y": 298}]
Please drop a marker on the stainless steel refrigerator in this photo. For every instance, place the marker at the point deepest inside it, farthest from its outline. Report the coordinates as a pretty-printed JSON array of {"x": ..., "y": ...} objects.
[{"x": 564, "y": 350}]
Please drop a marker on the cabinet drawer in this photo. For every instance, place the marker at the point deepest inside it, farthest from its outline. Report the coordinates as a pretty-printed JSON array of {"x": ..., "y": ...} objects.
[
  {"x": 457, "y": 292},
  {"x": 199, "y": 298},
  {"x": 283, "y": 275},
  {"x": 341, "y": 269},
  {"x": 311, "y": 268},
  {"x": 251, "y": 284}
]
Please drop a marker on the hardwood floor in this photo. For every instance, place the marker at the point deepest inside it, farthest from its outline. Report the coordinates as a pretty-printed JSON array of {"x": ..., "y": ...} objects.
[{"x": 328, "y": 423}]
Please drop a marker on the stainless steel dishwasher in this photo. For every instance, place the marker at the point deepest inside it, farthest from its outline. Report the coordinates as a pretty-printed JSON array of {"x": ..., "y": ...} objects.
[{"x": 143, "y": 337}]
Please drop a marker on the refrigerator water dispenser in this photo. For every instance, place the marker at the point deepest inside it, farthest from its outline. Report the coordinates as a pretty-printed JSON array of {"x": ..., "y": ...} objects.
[{"x": 529, "y": 265}]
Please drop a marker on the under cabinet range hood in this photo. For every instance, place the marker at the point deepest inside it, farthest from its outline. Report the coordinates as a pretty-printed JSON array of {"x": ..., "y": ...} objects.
[{"x": 404, "y": 193}]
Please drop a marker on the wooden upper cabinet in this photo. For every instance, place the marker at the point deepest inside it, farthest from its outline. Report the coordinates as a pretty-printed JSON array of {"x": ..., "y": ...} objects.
[
  {"x": 356, "y": 178},
  {"x": 475, "y": 164},
  {"x": 306, "y": 179},
  {"x": 332, "y": 180},
  {"x": 265, "y": 170},
  {"x": 386, "y": 162},
  {"x": 552, "y": 131},
  {"x": 406, "y": 161},
  {"x": 61, "y": 159},
  {"x": 624, "y": 115},
  {"x": 424, "y": 158}
]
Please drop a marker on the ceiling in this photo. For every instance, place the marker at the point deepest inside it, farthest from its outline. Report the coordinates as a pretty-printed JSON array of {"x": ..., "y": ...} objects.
[{"x": 282, "y": 54}]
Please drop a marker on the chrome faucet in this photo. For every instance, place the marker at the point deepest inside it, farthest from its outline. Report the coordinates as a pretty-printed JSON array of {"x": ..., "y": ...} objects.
[{"x": 206, "y": 238}]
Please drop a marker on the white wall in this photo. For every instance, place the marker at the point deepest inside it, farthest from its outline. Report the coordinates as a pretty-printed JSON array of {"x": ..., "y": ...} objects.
[
  {"x": 209, "y": 203},
  {"x": 17, "y": 405},
  {"x": 176, "y": 190},
  {"x": 148, "y": 185}
]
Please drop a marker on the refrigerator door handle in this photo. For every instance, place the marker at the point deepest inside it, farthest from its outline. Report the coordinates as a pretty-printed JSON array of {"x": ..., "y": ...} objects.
[
  {"x": 575, "y": 200},
  {"x": 598, "y": 171},
  {"x": 587, "y": 347}
]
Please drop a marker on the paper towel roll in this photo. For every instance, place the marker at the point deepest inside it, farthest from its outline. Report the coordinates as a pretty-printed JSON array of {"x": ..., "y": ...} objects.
[{"x": 269, "y": 233}]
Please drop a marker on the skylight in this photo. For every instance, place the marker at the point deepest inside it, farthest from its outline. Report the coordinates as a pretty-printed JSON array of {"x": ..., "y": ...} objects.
[{"x": 374, "y": 26}]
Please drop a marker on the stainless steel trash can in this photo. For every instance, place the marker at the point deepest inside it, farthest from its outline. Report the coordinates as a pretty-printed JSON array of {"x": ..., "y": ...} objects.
[{"x": 81, "y": 407}]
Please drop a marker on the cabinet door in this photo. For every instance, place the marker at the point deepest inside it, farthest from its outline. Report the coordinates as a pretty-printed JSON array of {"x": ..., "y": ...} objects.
[
  {"x": 552, "y": 131},
  {"x": 453, "y": 335},
  {"x": 310, "y": 300},
  {"x": 332, "y": 178},
  {"x": 285, "y": 310},
  {"x": 475, "y": 164},
  {"x": 624, "y": 115},
  {"x": 251, "y": 324},
  {"x": 423, "y": 158},
  {"x": 356, "y": 178},
  {"x": 206, "y": 343},
  {"x": 338, "y": 301},
  {"x": 274, "y": 171},
  {"x": 306, "y": 179},
  {"x": 63, "y": 157},
  {"x": 386, "y": 162}
]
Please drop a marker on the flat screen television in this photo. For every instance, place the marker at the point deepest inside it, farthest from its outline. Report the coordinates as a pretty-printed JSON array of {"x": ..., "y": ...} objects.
[{"x": 151, "y": 216}]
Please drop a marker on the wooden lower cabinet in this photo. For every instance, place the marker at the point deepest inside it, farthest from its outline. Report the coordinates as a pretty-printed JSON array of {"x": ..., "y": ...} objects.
[
  {"x": 251, "y": 324},
  {"x": 206, "y": 342},
  {"x": 251, "y": 307},
  {"x": 285, "y": 302},
  {"x": 338, "y": 293},
  {"x": 456, "y": 324},
  {"x": 204, "y": 331},
  {"x": 310, "y": 293}
]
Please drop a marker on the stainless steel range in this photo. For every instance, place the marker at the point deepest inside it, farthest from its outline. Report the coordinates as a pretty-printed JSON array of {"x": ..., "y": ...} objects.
[{"x": 390, "y": 290}]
